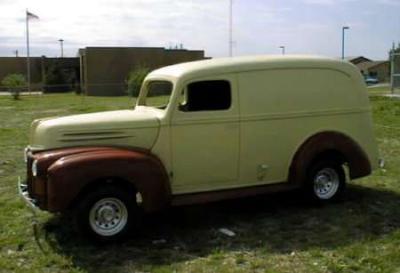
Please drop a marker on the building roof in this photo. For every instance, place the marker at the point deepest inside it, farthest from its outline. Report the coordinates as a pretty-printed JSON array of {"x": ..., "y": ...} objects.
[
  {"x": 369, "y": 65},
  {"x": 248, "y": 63},
  {"x": 357, "y": 59},
  {"x": 349, "y": 58},
  {"x": 82, "y": 51}
]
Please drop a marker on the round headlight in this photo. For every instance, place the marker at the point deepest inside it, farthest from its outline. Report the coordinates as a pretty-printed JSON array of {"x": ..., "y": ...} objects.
[{"x": 34, "y": 168}]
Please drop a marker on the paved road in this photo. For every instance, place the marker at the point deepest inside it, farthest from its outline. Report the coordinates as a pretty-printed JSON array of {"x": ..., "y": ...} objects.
[
  {"x": 23, "y": 93},
  {"x": 379, "y": 85}
]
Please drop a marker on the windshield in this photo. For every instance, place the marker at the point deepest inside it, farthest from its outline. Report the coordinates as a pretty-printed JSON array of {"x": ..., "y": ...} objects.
[{"x": 158, "y": 94}]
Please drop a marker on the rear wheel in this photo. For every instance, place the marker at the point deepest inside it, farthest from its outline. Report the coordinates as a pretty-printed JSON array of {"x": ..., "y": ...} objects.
[
  {"x": 107, "y": 214},
  {"x": 325, "y": 181}
]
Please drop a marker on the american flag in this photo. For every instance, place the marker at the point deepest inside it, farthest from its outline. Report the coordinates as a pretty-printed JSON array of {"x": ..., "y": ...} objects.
[{"x": 30, "y": 15}]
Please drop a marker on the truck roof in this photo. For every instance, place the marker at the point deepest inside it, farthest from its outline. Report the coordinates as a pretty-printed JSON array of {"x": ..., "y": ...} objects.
[{"x": 249, "y": 63}]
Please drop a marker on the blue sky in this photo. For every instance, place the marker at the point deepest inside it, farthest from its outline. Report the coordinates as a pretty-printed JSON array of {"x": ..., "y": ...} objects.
[{"x": 260, "y": 27}]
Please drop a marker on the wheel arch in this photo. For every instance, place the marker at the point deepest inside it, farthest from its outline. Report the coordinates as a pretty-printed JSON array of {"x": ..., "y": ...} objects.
[
  {"x": 118, "y": 182},
  {"x": 329, "y": 144},
  {"x": 71, "y": 176}
]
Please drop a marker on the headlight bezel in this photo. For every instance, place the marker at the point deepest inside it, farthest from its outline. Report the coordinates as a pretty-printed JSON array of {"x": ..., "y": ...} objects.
[
  {"x": 26, "y": 154},
  {"x": 34, "y": 169}
]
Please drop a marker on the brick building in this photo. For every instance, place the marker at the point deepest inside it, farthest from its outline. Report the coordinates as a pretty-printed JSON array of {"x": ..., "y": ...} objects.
[
  {"x": 98, "y": 71},
  {"x": 40, "y": 67},
  {"x": 104, "y": 70}
]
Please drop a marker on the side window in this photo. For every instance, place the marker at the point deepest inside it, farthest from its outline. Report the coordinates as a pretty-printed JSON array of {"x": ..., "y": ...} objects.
[{"x": 206, "y": 96}]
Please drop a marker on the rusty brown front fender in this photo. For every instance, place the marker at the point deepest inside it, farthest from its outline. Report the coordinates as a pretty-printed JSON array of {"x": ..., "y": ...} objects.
[{"x": 70, "y": 174}]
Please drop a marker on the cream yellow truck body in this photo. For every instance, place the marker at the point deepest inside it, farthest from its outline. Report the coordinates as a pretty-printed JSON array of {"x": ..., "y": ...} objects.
[
  {"x": 226, "y": 128},
  {"x": 277, "y": 104}
]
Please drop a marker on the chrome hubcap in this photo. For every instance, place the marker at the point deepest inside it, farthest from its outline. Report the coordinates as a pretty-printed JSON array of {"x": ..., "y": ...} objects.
[
  {"x": 108, "y": 216},
  {"x": 326, "y": 183}
]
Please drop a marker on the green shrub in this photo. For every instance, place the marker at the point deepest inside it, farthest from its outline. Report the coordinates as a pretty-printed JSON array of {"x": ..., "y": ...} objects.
[
  {"x": 15, "y": 83},
  {"x": 135, "y": 79}
]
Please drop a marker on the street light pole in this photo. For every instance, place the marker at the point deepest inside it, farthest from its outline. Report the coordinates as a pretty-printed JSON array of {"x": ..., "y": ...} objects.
[
  {"x": 62, "y": 47},
  {"x": 230, "y": 28},
  {"x": 283, "y": 49},
  {"x": 343, "y": 29}
]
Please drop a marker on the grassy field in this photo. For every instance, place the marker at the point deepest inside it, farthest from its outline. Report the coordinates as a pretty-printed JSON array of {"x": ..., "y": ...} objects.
[{"x": 275, "y": 233}]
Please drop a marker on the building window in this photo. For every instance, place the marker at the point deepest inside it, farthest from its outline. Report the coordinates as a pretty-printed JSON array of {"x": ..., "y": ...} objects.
[{"x": 206, "y": 96}]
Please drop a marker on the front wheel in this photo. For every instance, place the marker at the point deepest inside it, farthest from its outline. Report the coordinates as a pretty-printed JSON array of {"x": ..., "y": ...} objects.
[
  {"x": 326, "y": 181},
  {"x": 107, "y": 214}
]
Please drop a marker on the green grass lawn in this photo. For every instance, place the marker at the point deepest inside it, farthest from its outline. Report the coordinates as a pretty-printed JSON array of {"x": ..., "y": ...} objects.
[{"x": 275, "y": 233}]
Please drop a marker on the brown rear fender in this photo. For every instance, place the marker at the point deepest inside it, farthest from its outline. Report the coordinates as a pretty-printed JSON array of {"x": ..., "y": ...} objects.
[
  {"x": 333, "y": 144},
  {"x": 70, "y": 174}
]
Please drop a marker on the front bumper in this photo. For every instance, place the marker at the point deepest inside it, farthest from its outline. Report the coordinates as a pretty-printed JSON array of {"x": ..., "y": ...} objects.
[{"x": 23, "y": 192}]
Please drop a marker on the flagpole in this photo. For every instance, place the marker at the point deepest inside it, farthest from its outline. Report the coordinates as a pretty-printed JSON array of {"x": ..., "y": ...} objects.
[
  {"x": 230, "y": 28},
  {"x": 28, "y": 61}
]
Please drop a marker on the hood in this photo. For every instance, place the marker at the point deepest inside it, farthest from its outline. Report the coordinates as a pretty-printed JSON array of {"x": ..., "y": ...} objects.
[{"x": 135, "y": 128}]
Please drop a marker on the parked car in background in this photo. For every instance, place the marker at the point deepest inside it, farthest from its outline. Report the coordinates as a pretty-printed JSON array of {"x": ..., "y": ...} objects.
[
  {"x": 371, "y": 80},
  {"x": 206, "y": 131}
]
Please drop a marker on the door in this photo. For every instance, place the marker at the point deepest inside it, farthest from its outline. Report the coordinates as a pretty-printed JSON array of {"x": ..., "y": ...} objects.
[{"x": 205, "y": 136}]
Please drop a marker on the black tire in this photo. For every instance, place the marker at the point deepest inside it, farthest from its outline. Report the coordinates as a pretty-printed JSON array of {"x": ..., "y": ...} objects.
[
  {"x": 326, "y": 181},
  {"x": 107, "y": 214}
]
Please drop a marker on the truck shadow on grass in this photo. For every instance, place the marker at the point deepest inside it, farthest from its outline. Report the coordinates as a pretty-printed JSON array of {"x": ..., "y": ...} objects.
[{"x": 279, "y": 223}]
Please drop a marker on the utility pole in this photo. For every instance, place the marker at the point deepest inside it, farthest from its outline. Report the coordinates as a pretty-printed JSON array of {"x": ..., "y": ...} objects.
[
  {"x": 230, "y": 28},
  {"x": 28, "y": 60},
  {"x": 62, "y": 47},
  {"x": 283, "y": 50},
  {"x": 343, "y": 29},
  {"x": 394, "y": 64},
  {"x": 392, "y": 69}
]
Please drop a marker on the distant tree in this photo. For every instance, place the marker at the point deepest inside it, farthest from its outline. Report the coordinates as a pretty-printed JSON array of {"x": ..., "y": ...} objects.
[
  {"x": 15, "y": 83},
  {"x": 59, "y": 78},
  {"x": 396, "y": 62},
  {"x": 53, "y": 78},
  {"x": 394, "y": 50},
  {"x": 135, "y": 79},
  {"x": 53, "y": 75}
]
